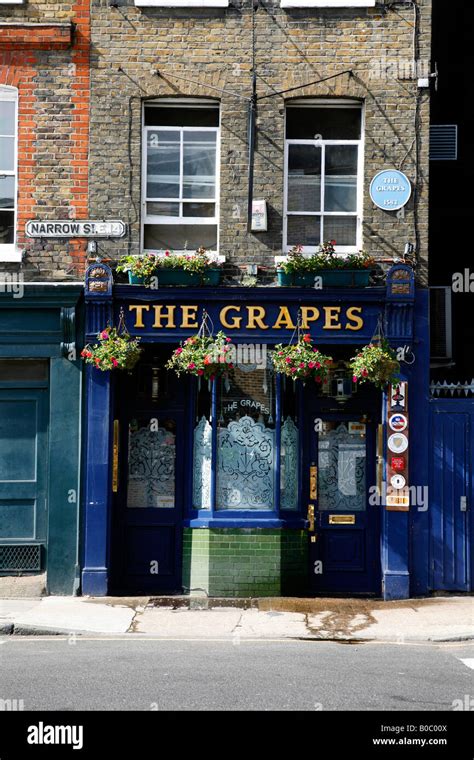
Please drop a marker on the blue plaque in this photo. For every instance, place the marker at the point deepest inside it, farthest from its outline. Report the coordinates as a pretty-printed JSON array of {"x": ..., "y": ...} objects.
[{"x": 390, "y": 190}]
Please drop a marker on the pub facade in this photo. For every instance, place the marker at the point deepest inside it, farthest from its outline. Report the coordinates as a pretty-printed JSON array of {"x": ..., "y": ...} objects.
[{"x": 254, "y": 131}]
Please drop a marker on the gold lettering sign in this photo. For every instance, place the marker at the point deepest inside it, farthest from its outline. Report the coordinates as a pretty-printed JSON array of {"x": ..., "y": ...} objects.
[{"x": 237, "y": 317}]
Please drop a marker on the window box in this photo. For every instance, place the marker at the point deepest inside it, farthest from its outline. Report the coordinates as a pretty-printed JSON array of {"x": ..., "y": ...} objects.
[
  {"x": 210, "y": 277},
  {"x": 331, "y": 278}
]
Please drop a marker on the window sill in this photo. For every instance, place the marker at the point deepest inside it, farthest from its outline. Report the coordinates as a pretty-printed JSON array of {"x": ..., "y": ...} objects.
[
  {"x": 328, "y": 3},
  {"x": 281, "y": 259},
  {"x": 217, "y": 258},
  {"x": 295, "y": 522},
  {"x": 9, "y": 254},
  {"x": 182, "y": 4}
]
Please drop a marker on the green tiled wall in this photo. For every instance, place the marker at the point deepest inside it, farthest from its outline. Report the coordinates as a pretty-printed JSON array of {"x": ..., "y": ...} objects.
[{"x": 245, "y": 562}]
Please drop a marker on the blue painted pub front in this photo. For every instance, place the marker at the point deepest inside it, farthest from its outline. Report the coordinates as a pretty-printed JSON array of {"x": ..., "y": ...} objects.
[{"x": 253, "y": 484}]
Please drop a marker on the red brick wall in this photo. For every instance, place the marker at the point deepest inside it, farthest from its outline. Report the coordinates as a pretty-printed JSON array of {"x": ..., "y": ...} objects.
[{"x": 49, "y": 65}]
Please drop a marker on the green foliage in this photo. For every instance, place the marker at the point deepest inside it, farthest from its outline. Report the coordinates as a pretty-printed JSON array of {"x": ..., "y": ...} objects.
[
  {"x": 149, "y": 264},
  {"x": 202, "y": 355},
  {"x": 376, "y": 363},
  {"x": 301, "y": 360},
  {"x": 113, "y": 351},
  {"x": 325, "y": 258}
]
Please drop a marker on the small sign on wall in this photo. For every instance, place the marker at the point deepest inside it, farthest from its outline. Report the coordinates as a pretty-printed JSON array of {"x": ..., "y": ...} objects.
[
  {"x": 390, "y": 190},
  {"x": 259, "y": 216},
  {"x": 398, "y": 492}
]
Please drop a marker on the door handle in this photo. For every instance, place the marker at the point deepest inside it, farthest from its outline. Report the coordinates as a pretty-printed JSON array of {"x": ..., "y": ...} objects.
[
  {"x": 115, "y": 457},
  {"x": 310, "y": 518},
  {"x": 313, "y": 482},
  {"x": 463, "y": 504}
]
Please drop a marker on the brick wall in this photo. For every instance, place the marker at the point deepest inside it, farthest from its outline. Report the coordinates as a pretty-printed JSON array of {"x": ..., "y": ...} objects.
[
  {"x": 44, "y": 52},
  {"x": 244, "y": 562},
  {"x": 213, "y": 47}
]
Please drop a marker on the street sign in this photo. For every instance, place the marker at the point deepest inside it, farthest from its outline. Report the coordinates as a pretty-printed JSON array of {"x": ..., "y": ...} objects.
[{"x": 72, "y": 228}]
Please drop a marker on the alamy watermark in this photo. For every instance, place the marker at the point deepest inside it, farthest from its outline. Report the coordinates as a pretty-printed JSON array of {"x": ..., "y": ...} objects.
[
  {"x": 12, "y": 283},
  {"x": 417, "y": 496},
  {"x": 399, "y": 68}
]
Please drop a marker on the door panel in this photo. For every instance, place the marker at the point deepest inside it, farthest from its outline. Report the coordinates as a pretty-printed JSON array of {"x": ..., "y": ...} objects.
[
  {"x": 345, "y": 546},
  {"x": 23, "y": 464},
  {"x": 150, "y": 502},
  {"x": 451, "y": 495}
]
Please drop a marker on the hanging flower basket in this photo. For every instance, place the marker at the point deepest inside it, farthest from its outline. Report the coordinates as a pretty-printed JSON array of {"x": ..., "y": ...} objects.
[
  {"x": 301, "y": 360},
  {"x": 376, "y": 363},
  {"x": 115, "y": 350},
  {"x": 202, "y": 355}
]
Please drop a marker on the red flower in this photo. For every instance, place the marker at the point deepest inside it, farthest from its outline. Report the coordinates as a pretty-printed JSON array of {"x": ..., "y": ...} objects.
[
  {"x": 114, "y": 361},
  {"x": 354, "y": 379},
  {"x": 191, "y": 365},
  {"x": 307, "y": 338},
  {"x": 179, "y": 350},
  {"x": 200, "y": 371},
  {"x": 364, "y": 373},
  {"x": 302, "y": 365},
  {"x": 317, "y": 378}
]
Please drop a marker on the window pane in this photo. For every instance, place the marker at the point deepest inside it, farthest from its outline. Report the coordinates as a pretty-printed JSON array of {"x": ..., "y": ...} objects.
[
  {"x": 7, "y": 219},
  {"x": 7, "y": 154},
  {"x": 163, "y": 151},
  {"x": 156, "y": 116},
  {"x": 7, "y": 118},
  {"x": 304, "y": 230},
  {"x": 330, "y": 123},
  {"x": 289, "y": 457},
  {"x": 180, "y": 237},
  {"x": 202, "y": 448},
  {"x": 341, "y": 469},
  {"x": 246, "y": 440},
  {"x": 199, "y": 209},
  {"x": 7, "y": 192},
  {"x": 151, "y": 464},
  {"x": 162, "y": 209},
  {"x": 342, "y": 229},
  {"x": 304, "y": 178},
  {"x": 341, "y": 178},
  {"x": 199, "y": 165}
]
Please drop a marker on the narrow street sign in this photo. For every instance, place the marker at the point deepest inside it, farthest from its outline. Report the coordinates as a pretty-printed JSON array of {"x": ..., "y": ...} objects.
[{"x": 75, "y": 229}]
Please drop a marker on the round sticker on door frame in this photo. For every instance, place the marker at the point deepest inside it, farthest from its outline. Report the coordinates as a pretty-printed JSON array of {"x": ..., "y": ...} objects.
[
  {"x": 398, "y": 482},
  {"x": 398, "y": 443},
  {"x": 398, "y": 423}
]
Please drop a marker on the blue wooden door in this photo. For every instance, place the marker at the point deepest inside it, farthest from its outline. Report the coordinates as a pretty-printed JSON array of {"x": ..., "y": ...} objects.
[
  {"x": 23, "y": 466},
  {"x": 450, "y": 499},
  {"x": 345, "y": 547},
  {"x": 147, "y": 536}
]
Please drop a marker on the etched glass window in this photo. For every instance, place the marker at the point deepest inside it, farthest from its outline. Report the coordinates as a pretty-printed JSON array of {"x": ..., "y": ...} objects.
[
  {"x": 342, "y": 468},
  {"x": 289, "y": 447},
  {"x": 202, "y": 448},
  {"x": 151, "y": 464},
  {"x": 246, "y": 440}
]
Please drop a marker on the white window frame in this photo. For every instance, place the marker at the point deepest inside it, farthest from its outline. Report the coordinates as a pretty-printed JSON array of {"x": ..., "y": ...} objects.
[
  {"x": 12, "y": 2},
  {"x": 328, "y": 3},
  {"x": 179, "y": 220},
  {"x": 343, "y": 249},
  {"x": 9, "y": 251}
]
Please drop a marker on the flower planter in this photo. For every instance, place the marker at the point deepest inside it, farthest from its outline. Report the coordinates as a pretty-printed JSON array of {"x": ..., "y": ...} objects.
[
  {"x": 339, "y": 278},
  {"x": 180, "y": 277},
  {"x": 332, "y": 278}
]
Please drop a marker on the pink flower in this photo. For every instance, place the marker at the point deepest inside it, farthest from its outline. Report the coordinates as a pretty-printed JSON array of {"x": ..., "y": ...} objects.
[
  {"x": 293, "y": 370},
  {"x": 317, "y": 365},
  {"x": 288, "y": 360},
  {"x": 114, "y": 361},
  {"x": 167, "y": 253},
  {"x": 229, "y": 340},
  {"x": 104, "y": 335},
  {"x": 200, "y": 371},
  {"x": 179, "y": 350},
  {"x": 191, "y": 365},
  {"x": 317, "y": 378},
  {"x": 364, "y": 373},
  {"x": 301, "y": 365},
  {"x": 354, "y": 379},
  {"x": 280, "y": 353}
]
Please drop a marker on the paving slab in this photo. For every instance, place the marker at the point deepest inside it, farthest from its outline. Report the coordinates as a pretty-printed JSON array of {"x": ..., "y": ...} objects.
[
  {"x": 74, "y": 615},
  {"x": 262, "y": 625},
  {"x": 183, "y": 623}
]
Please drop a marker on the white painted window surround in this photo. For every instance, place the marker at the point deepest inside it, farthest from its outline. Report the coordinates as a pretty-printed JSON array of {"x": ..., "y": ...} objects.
[
  {"x": 328, "y": 3},
  {"x": 182, "y": 3},
  {"x": 12, "y": 2},
  {"x": 8, "y": 173}
]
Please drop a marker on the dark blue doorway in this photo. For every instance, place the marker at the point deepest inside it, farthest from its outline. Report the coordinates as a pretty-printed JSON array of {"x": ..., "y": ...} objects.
[
  {"x": 147, "y": 524},
  {"x": 344, "y": 547}
]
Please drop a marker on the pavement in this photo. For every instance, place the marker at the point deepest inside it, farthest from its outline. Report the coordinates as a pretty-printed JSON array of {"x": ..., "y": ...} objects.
[{"x": 436, "y": 619}]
